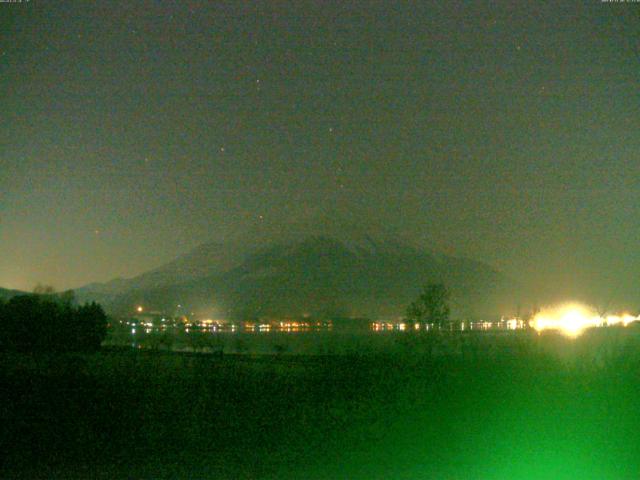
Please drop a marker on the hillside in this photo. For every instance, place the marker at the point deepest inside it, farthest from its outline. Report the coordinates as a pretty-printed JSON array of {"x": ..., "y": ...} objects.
[
  {"x": 348, "y": 273},
  {"x": 6, "y": 294}
]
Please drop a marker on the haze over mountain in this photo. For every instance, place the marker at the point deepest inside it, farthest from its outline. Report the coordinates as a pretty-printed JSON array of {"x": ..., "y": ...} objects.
[{"x": 321, "y": 267}]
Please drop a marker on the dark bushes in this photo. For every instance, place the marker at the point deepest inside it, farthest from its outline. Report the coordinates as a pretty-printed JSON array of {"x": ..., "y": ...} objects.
[{"x": 48, "y": 323}]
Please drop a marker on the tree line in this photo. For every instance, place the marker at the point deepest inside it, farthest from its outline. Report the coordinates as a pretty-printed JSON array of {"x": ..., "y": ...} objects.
[{"x": 51, "y": 323}]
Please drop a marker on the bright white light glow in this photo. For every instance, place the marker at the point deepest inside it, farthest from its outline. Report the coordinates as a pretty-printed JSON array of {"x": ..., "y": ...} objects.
[{"x": 572, "y": 319}]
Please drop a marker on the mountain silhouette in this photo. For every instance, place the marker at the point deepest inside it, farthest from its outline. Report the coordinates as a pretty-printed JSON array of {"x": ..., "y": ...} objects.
[{"x": 343, "y": 271}]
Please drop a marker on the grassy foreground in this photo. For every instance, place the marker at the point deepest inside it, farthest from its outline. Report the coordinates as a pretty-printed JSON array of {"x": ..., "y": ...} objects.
[{"x": 525, "y": 413}]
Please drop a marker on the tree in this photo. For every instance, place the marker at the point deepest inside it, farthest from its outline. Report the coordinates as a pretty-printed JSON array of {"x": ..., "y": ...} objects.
[
  {"x": 41, "y": 289},
  {"x": 432, "y": 306},
  {"x": 43, "y": 323},
  {"x": 91, "y": 322}
]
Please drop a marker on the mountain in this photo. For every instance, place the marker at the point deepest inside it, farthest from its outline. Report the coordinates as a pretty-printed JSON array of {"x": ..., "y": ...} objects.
[
  {"x": 203, "y": 261},
  {"x": 347, "y": 272},
  {"x": 220, "y": 256}
]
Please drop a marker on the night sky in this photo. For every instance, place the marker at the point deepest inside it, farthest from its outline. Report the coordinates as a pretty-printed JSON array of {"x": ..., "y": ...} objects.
[{"x": 503, "y": 131}]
